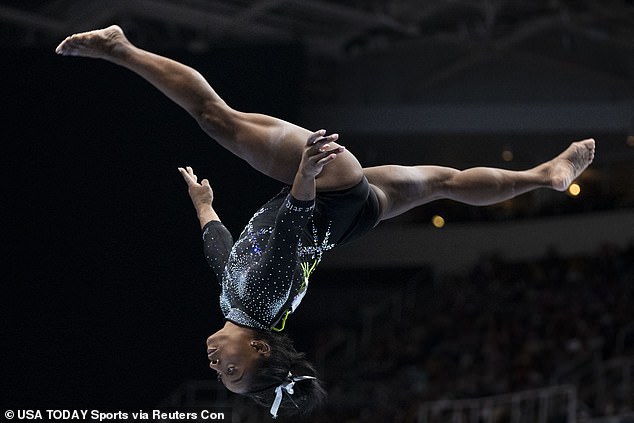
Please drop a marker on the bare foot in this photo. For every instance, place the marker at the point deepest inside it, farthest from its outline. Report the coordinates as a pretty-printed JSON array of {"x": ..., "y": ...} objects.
[
  {"x": 566, "y": 167},
  {"x": 100, "y": 43}
]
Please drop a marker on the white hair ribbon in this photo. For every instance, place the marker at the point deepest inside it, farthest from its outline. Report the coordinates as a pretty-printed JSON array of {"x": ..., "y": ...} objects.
[{"x": 287, "y": 386}]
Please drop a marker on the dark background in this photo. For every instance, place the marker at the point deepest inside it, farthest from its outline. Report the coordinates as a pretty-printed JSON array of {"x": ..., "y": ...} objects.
[{"x": 108, "y": 300}]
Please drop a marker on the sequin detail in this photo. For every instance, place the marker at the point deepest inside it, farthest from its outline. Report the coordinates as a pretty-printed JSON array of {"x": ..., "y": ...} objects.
[{"x": 262, "y": 275}]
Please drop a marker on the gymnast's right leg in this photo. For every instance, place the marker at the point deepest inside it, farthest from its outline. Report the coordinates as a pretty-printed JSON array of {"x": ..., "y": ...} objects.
[
  {"x": 270, "y": 145},
  {"x": 401, "y": 188}
]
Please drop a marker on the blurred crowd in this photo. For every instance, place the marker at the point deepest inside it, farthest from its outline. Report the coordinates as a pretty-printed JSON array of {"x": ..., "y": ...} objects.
[{"x": 500, "y": 327}]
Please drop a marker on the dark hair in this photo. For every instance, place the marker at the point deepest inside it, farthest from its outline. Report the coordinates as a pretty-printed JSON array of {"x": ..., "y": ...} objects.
[{"x": 308, "y": 394}]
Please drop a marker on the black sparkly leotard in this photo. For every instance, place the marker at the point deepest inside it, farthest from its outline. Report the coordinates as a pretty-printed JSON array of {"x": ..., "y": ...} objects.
[{"x": 264, "y": 275}]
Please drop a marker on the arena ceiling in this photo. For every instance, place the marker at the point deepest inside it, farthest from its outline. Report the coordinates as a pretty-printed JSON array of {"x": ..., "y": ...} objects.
[
  {"x": 338, "y": 30},
  {"x": 451, "y": 36},
  {"x": 574, "y": 60},
  {"x": 328, "y": 28}
]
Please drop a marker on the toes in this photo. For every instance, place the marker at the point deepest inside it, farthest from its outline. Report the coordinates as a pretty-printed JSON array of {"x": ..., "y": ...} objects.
[
  {"x": 61, "y": 47},
  {"x": 64, "y": 46}
]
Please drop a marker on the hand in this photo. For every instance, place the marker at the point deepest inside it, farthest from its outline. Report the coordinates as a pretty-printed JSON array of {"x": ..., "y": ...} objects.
[
  {"x": 201, "y": 193},
  {"x": 318, "y": 152}
]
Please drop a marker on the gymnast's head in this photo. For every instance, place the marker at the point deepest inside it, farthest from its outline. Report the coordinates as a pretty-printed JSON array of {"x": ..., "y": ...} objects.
[{"x": 265, "y": 366}]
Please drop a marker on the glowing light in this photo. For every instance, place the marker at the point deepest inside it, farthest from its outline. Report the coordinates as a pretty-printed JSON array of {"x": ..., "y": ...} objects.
[
  {"x": 507, "y": 155},
  {"x": 574, "y": 189},
  {"x": 438, "y": 221}
]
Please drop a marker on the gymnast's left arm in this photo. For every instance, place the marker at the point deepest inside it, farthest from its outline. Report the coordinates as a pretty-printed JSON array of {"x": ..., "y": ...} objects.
[
  {"x": 278, "y": 263},
  {"x": 317, "y": 154}
]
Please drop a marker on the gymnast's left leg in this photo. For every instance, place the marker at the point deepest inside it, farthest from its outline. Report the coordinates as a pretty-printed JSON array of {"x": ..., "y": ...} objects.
[
  {"x": 401, "y": 188},
  {"x": 270, "y": 145}
]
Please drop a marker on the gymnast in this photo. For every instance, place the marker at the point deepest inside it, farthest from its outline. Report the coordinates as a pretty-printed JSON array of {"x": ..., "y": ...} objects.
[{"x": 328, "y": 199}]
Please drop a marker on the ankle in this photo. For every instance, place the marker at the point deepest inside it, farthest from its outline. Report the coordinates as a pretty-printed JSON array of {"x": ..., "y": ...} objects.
[{"x": 543, "y": 174}]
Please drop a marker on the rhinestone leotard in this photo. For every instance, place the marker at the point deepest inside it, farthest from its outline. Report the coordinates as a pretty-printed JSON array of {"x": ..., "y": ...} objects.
[{"x": 265, "y": 273}]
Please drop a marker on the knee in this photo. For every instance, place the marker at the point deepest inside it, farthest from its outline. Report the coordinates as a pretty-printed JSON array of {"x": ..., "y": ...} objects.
[
  {"x": 348, "y": 170},
  {"x": 425, "y": 183},
  {"x": 217, "y": 119},
  {"x": 344, "y": 172},
  {"x": 440, "y": 180},
  {"x": 353, "y": 168}
]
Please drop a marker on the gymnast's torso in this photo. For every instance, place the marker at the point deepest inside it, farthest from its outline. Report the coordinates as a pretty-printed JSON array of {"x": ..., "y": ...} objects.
[{"x": 265, "y": 273}]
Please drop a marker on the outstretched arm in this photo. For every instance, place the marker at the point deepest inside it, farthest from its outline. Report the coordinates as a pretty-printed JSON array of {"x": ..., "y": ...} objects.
[
  {"x": 217, "y": 240},
  {"x": 202, "y": 196}
]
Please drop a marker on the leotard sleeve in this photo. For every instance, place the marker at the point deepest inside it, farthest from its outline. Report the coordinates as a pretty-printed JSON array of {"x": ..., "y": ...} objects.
[
  {"x": 217, "y": 243},
  {"x": 272, "y": 278}
]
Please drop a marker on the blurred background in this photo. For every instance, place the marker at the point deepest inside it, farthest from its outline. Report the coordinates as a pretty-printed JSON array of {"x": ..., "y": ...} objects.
[{"x": 518, "y": 312}]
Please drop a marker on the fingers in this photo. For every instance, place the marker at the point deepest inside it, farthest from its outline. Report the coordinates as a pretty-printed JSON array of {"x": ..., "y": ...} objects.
[
  {"x": 327, "y": 156},
  {"x": 319, "y": 150},
  {"x": 317, "y": 161},
  {"x": 319, "y": 145},
  {"x": 188, "y": 175},
  {"x": 191, "y": 179},
  {"x": 322, "y": 150},
  {"x": 317, "y": 138}
]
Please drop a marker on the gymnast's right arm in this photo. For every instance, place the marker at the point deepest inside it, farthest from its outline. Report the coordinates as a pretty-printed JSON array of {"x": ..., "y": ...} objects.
[{"x": 216, "y": 238}]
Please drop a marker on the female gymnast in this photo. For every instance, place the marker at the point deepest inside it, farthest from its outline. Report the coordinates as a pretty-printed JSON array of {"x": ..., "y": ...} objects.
[{"x": 328, "y": 199}]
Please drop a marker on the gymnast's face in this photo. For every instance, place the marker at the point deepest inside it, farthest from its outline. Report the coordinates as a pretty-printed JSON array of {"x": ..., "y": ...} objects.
[{"x": 234, "y": 354}]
